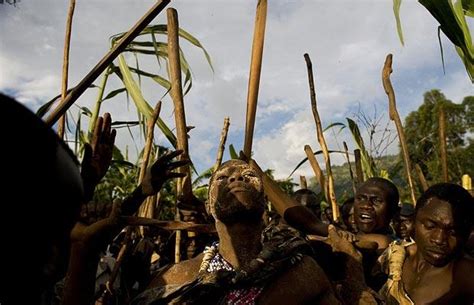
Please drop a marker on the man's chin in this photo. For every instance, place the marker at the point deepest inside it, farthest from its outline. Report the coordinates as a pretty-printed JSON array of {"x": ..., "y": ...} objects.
[{"x": 239, "y": 214}]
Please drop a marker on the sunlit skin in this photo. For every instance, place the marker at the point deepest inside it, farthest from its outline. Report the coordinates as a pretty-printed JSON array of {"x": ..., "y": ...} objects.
[
  {"x": 434, "y": 272},
  {"x": 236, "y": 201}
]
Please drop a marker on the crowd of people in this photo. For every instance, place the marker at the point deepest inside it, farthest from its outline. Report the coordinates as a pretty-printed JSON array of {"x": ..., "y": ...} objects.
[{"x": 381, "y": 251}]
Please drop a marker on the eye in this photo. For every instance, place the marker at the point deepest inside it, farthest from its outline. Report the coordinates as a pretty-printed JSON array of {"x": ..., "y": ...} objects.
[
  {"x": 221, "y": 177},
  {"x": 249, "y": 174},
  {"x": 377, "y": 201},
  {"x": 429, "y": 225}
]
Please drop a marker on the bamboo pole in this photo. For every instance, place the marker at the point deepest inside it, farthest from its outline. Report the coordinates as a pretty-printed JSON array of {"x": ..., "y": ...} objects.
[
  {"x": 67, "y": 43},
  {"x": 442, "y": 143},
  {"x": 221, "y": 148},
  {"x": 105, "y": 62},
  {"x": 303, "y": 182},
  {"x": 354, "y": 189},
  {"x": 254, "y": 78},
  {"x": 421, "y": 177},
  {"x": 332, "y": 195},
  {"x": 394, "y": 116},
  {"x": 358, "y": 164},
  {"x": 317, "y": 170}
]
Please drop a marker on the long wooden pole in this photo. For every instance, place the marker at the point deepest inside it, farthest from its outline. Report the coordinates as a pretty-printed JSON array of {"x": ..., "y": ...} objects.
[
  {"x": 254, "y": 78},
  {"x": 67, "y": 44},
  {"x": 421, "y": 177},
  {"x": 105, "y": 62},
  {"x": 303, "y": 182},
  {"x": 317, "y": 170},
  {"x": 221, "y": 148},
  {"x": 394, "y": 116},
  {"x": 322, "y": 141},
  {"x": 442, "y": 143}
]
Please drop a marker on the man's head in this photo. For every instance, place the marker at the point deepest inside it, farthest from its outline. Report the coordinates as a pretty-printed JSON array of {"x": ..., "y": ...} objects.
[
  {"x": 42, "y": 176},
  {"x": 443, "y": 220},
  {"x": 403, "y": 221},
  {"x": 235, "y": 193},
  {"x": 375, "y": 203},
  {"x": 309, "y": 199},
  {"x": 347, "y": 214}
]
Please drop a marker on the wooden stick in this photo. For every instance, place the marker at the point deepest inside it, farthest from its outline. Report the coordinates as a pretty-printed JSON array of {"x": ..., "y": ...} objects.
[
  {"x": 149, "y": 140},
  {"x": 317, "y": 170},
  {"x": 421, "y": 177},
  {"x": 322, "y": 141},
  {"x": 67, "y": 43},
  {"x": 354, "y": 189},
  {"x": 303, "y": 182},
  {"x": 169, "y": 224},
  {"x": 358, "y": 164},
  {"x": 442, "y": 143},
  {"x": 105, "y": 62},
  {"x": 184, "y": 185},
  {"x": 221, "y": 148},
  {"x": 254, "y": 78},
  {"x": 394, "y": 116}
]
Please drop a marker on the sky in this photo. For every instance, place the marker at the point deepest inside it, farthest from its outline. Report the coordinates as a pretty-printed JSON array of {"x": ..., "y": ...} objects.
[{"x": 346, "y": 40}]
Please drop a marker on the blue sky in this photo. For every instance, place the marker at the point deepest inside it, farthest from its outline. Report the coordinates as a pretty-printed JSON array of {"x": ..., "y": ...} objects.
[{"x": 347, "y": 42}]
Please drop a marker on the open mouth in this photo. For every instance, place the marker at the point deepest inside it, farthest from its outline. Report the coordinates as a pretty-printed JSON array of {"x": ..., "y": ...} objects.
[{"x": 366, "y": 217}]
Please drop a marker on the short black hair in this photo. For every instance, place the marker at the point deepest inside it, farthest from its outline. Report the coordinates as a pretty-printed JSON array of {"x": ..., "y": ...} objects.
[{"x": 460, "y": 200}]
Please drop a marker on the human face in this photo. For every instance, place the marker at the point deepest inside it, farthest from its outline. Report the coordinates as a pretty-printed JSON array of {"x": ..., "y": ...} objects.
[
  {"x": 406, "y": 227},
  {"x": 371, "y": 208},
  {"x": 436, "y": 235},
  {"x": 236, "y": 193}
]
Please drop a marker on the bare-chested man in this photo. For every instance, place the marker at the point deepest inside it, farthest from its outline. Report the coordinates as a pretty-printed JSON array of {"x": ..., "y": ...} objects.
[
  {"x": 242, "y": 267},
  {"x": 433, "y": 270}
]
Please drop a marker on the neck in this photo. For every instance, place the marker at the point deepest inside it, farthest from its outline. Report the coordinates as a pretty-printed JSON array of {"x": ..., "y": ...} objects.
[{"x": 239, "y": 243}]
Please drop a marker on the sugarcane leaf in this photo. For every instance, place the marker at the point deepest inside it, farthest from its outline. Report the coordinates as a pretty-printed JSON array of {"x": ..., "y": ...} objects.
[
  {"x": 157, "y": 78},
  {"x": 306, "y": 159},
  {"x": 468, "y": 7},
  {"x": 396, "y": 12},
  {"x": 233, "y": 152},
  {"x": 334, "y": 125},
  {"x": 114, "y": 93},
  {"x": 367, "y": 162}
]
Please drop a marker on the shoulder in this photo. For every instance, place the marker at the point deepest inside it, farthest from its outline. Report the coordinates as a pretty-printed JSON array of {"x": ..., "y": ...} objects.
[
  {"x": 382, "y": 240},
  {"x": 180, "y": 273},
  {"x": 462, "y": 274},
  {"x": 304, "y": 282}
]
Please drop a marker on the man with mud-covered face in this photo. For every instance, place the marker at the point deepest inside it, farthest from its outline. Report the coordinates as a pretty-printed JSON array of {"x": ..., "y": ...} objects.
[
  {"x": 236, "y": 194},
  {"x": 251, "y": 264}
]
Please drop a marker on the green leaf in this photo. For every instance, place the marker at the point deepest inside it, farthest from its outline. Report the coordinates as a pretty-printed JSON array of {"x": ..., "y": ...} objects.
[
  {"x": 334, "y": 125},
  {"x": 232, "y": 152},
  {"x": 396, "y": 12},
  {"x": 137, "y": 96},
  {"x": 114, "y": 93},
  {"x": 367, "y": 162},
  {"x": 306, "y": 159}
]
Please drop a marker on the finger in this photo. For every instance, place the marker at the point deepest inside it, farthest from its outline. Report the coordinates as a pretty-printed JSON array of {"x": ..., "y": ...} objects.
[
  {"x": 97, "y": 132},
  {"x": 175, "y": 164},
  {"x": 165, "y": 158},
  {"x": 173, "y": 175},
  {"x": 87, "y": 153},
  {"x": 111, "y": 141},
  {"x": 106, "y": 127}
]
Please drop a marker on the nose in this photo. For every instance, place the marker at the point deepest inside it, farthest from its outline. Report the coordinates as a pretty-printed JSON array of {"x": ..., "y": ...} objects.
[
  {"x": 439, "y": 237},
  {"x": 236, "y": 176}
]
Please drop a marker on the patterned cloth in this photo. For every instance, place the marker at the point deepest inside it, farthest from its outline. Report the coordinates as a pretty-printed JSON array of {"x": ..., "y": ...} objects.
[{"x": 392, "y": 262}]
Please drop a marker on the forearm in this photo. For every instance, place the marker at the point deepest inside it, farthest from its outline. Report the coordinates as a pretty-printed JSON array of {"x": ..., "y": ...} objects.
[
  {"x": 303, "y": 219},
  {"x": 80, "y": 279},
  {"x": 131, "y": 204}
]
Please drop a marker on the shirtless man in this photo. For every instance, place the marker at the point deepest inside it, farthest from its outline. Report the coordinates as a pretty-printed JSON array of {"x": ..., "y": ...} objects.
[
  {"x": 433, "y": 271},
  {"x": 236, "y": 268}
]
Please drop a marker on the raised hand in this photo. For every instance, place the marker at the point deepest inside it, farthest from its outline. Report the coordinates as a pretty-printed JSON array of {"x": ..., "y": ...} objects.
[
  {"x": 162, "y": 170},
  {"x": 98, "y": 154}
]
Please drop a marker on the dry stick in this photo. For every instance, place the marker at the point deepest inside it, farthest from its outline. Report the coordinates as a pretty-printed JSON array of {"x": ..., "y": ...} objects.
[
  {"x": 317, "y": 170},
  {"x": 358, "y": 164},
  {"x": 183, "y": 188},
  {"x": 442, "y": 143},
  {"x": 67, "y": 41},
  {"x": 322, "y": 141},
  {"x": 303, "y": 182},
  {"x": 254, "y": 78},
  {"x": 350, "y": 167},
  {"x": 221, "y": 148},
  {"x": 421, "y": 177},
  {"x": 105, "y": 62},
  {"x": 394, "y": 116},
  {"x": 169, "y": 225},
  {"x": 143, "y": 210}
]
